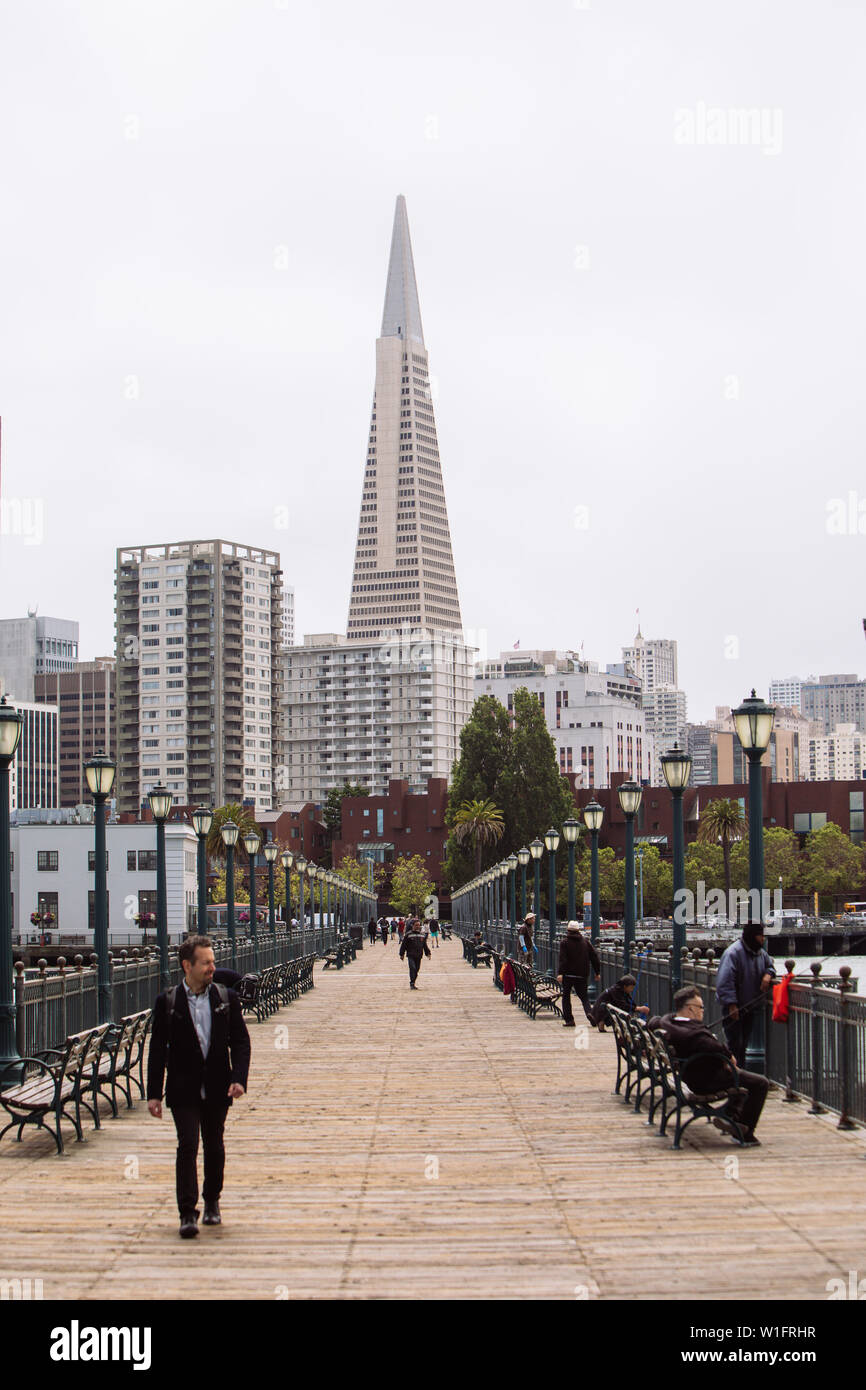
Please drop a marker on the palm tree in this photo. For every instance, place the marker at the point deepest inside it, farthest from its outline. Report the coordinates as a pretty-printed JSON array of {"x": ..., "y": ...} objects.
[
  {"x": 241, "y": 816},
  {"x": 722, "y": 822},
  {"x": 481, "y": 823}
]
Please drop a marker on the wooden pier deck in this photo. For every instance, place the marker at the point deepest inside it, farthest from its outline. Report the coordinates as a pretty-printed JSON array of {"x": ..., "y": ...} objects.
[{"x": 439, "y": 1144}]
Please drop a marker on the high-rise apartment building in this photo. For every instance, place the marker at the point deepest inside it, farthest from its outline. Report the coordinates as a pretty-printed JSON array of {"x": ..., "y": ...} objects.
[
  {"x": 288, "y": 621},
  {"x": 390, "y": 698},
  {"x": 654, "y": 662},
  {"x": 36, "y": 765},
  {"x": 837, "y": 757},
  {"x": 664, "y": 710},
  {"x": 85, "y": 698},
  {"x": 199, "y": 682},
  {"x": 34, "y": 646},
  {"x": 836, "y": 699},
  {"x": 786, "y": 692}
]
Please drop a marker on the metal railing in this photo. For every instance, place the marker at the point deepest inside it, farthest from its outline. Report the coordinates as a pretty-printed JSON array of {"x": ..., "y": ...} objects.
[
  {"x": 819, "y": 1055},
  {"x": 51, "y": 1003}
]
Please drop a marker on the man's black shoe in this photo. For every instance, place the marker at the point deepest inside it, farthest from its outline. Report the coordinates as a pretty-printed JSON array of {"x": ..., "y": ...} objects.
[
  {"x": 211, "y": 1214},
  {"x": 189, "y": 1226},
  {"x": 568, "y": 1025},
  {"x": 750, "y": 1142}
]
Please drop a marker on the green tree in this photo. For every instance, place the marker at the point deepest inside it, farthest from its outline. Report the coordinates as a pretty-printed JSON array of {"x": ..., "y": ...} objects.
[
  {"x": 722, "y": 822},
  {"x": 411, "y": 885},
  {"x": 356, "y": 872},
  {"x": 832, "y": 864},
  {"x": 485, "y": 745},
  {"x": 242, "y": 817},
  {"x": 478, "y": 823},
  {"x": 704, "y": 863},
  {"x": 332, "y": 813},
  {"x": 532, "y": 792},
  {"x": 781, "y": 859}
]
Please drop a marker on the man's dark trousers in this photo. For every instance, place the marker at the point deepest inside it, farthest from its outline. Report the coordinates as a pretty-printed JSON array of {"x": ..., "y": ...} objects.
[
  {"x": 748, "y": 1112},
  {"x": 189, "y": 1120},
  {"x": 414, "y": 967},
  {"x": 578, "y": 984},
  {"x": 737, "y": 1034}
]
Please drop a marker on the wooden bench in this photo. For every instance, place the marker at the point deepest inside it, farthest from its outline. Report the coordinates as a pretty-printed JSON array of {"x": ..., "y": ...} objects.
[
  {"x": 534, "y": 992},
  {"x": 52, "y": 1083},
  {"x": 645, "y": 1056},
  {"x": 120, "y": 1057}
]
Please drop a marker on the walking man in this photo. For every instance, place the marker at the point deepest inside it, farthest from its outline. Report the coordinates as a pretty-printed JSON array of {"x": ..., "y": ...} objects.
[
  {"x": 745, "y": 974},
  {"x": 576, "y": 953},
  {"x": 414, "y": 945},
  {"x": 200, "y": 1036}
]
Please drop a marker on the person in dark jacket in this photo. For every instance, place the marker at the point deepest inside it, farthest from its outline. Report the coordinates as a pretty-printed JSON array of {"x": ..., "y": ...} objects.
[
  {"x": 383, "y": 928},
  {"x": 414, "y": 945},
  {"x": 688, "y": 1036},
  {"x": 745, "y": 974},
  {"x": 371, "y": 930},
  {"x": 621, "y": 996},
  {"x": 576, "y": 954},
  {"x": 200, "y": 1037}
]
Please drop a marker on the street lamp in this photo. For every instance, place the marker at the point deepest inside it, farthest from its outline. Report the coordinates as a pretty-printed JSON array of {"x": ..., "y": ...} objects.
[
  {"x": 251, "y": 844},
  {"x": 523, "y": 858},
  {"x": 287, "y": 859},
  {"x": 313, "y": 874},
  {"x": 300, "y": 865},
  {"x": 676, "y": 767},
  {"x": 551, "y": 840},
  {"x": 512, "y": 902},
  {"x": 536, "y": 849},
  {"x": 160, "y": 799},
  {"x": 571, "y": 830},
  {"x": 593, "y": 815},
  {"x": 11, "y": 722},
  {"x": 99, "y": 771},
  {"x": 753, "y": 721},
  {"x": 270, "y": 851},
  {"x": 230, "y": 831},
  {"x": 630, "y": 794},
  {"x": 202, "y": 820}
]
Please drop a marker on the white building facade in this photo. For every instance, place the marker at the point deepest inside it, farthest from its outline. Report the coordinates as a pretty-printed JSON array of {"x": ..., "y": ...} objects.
[
  {"x": 837, "y": 757},
  {"x": 53, "y": 870},
  {"x": 593, "y": 717}
]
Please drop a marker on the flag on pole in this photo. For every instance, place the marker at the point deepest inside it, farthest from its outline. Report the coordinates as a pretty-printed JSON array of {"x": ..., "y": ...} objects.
[{"x": 516, "y": 645}]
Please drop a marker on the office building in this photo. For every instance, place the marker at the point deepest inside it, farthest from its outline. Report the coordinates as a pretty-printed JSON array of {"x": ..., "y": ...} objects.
[
  {"x": 835, "y": 699},
  {"x": 34, "y": 646},
  {"x": 84, "y": 697}
]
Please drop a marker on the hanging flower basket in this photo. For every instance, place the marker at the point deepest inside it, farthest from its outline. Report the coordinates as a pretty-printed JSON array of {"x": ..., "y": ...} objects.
[{"x": 42, "y": 919}]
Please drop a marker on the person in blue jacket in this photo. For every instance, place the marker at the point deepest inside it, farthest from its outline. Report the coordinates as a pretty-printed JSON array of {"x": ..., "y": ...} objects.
[{"x": 745, "y": 973}]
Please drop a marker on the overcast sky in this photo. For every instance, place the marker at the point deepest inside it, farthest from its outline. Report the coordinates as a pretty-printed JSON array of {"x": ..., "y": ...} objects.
[{"x": 648, "y": 344}]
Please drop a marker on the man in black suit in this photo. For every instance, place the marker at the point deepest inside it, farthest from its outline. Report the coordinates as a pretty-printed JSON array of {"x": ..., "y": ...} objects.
[
  {"x": 689, "y": 1036},
  {"x": 200, "y": 1035}
]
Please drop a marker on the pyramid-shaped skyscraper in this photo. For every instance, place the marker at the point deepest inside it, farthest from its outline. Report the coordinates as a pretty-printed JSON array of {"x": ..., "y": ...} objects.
[{"x": 404, "y": 569}]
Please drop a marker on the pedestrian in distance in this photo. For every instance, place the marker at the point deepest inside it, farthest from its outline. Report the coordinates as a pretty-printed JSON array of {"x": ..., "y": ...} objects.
[
  {"x": 371, "y": 930},
  {"x": 576, "y": 955},
  {"x": 200, "y": 1040},
  {"x": 384, "y": 930},
  {"x": 524, "y": 936},
  {"x": 434, "y": 933},
  {"x": 414, "y": 945},
  {"x": 714, "y": 1068},
  {"x": 745, "y": 974}
]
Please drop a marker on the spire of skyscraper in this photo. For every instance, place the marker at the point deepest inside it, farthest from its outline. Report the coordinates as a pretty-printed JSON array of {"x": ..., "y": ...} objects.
[
  {"x": 404, "y": 569},
  {"x": 401, "y": 316}
]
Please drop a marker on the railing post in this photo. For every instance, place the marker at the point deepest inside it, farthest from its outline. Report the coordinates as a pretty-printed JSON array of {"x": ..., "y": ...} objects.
[
  {"x": 844, "y": 1068},
  {"x": 61, "y": 965},
  {"x": 20, "y": 1009},
  {"x": 817, "y": 1058},
  {"x": 790, "y": 1041},
  {"x": 43, "y": 1012}
]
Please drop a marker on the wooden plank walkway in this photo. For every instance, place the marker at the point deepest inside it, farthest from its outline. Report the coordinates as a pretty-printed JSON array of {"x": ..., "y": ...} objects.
[{"x": 439, "y": 1144}]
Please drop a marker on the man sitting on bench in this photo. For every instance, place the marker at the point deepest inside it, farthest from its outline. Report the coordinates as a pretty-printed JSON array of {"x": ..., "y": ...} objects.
[
  {"x": 621, "y": 996},
  {"x": 687, "y": 1034}
]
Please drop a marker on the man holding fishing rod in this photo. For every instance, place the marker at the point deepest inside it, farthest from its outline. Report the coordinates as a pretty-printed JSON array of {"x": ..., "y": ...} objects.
[{"x": 744, "y": 976}]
